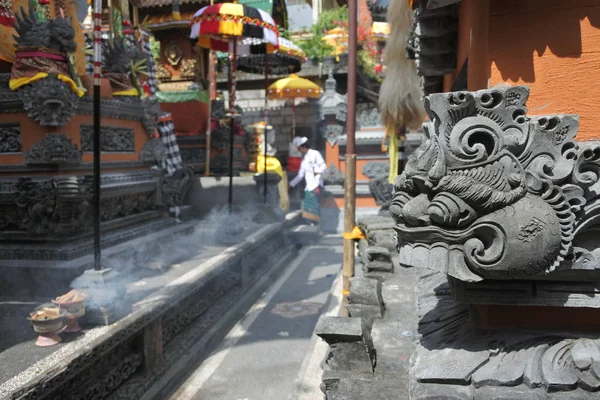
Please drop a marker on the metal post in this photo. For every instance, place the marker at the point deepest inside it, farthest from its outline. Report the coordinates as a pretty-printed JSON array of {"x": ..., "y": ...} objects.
[
  {"x": 350, "y": 185},
  {"x": 293, "y": 118},
  {"x": 266, "y": 120},
  {"x": 211, "y": 84},
  {"x": 212, "y": 95},
  {"x": 232, "y": 83},
  {"x": 96, "y": 121}
]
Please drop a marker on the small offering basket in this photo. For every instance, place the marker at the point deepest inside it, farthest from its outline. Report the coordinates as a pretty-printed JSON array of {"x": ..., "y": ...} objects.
[
  {"x": 48, "y": 320},
  {"x": 74, "y": 304}
]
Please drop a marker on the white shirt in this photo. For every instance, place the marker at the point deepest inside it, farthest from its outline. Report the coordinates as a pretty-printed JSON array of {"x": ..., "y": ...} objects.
[{"x": 311, "y": 169}]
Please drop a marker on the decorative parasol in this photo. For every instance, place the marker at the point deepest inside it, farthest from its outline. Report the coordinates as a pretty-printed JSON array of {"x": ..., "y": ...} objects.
[
  {"x": 294, "y": 87},
  {"x": 288, "y": 59},
  {"x": 234, "y": 28},
  {"x": 380, "y": 31},
  {"x": 338, "y": 39}
]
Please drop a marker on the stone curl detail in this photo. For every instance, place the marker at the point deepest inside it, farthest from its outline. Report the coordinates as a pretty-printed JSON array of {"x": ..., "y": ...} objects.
[{"x": 486, "y": 164}]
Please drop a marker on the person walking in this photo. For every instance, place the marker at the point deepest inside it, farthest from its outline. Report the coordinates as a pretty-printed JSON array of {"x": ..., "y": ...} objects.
[{"x": 311, "y": 170}]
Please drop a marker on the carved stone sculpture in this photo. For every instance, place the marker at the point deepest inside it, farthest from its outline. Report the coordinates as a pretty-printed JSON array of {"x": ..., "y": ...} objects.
[
  {"x": 495, "y": 194},
  {"x": 56, "y": 34},
  {"x": 333, "y": 176},
  {"x": 152, "y": 112},
  {"x": 10, "y": 138},
  {"x": 154, "y": 151},
  {"x": 54, "y": 148},
  {"x": 49, "y": 101},
  {"x": 175, "y": 188}
]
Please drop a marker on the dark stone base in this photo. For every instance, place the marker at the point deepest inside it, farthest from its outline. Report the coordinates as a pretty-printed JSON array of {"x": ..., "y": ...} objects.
[
  {"x": 104, "y": 315},
  {"x": 49, "y": 278},
  {"x": 435, "y": 348}
]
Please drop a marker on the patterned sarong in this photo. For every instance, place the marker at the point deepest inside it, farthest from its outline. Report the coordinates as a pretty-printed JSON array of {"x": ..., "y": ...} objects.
[{"x": 312, "y": 205}]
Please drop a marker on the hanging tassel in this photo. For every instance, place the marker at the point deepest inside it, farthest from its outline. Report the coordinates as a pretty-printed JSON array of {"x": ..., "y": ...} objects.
[{"x": 175, "y": 11}]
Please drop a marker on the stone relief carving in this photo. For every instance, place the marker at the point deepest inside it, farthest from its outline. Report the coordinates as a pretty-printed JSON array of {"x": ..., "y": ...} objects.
[
  {"x": 113, "y": 139},
  {"x": 56, "y": 34},
  {"x": 369, "y": 118},
  {"x": 332, "y": 132},
  {"x": 49, "y": 101},
  {"x": 472, "y": 195},
  {"x": 54, "y": 148},
  {"x": 10, "y": 138},
  {"x": 154, "y": 151},
  {"x": 376, "y": 169},
  {"x": 151, "y": 112},
  {"x": 333, "y": 176},
  {"x": 175, "y": 188},
  {"x": 193, "y": 156}
]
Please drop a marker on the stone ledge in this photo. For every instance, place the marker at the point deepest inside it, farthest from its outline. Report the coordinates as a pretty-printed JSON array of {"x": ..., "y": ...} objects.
[{"x": 80, "y": 364}]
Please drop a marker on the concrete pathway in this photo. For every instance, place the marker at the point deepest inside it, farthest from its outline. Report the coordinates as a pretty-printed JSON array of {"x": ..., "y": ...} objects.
[{"x": 272, "y": 353}]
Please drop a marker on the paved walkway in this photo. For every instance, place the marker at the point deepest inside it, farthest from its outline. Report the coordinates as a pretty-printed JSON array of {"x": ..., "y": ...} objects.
[{"x": 272, "y": 353}]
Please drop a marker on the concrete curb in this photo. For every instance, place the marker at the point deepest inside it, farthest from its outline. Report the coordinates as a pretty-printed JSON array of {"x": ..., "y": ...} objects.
[{"x": 124, "y": 359}]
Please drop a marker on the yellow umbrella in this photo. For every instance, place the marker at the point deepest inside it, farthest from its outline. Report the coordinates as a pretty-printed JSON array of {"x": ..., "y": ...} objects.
[
  {"x": 292, "y": 87},
  {"x": 338, "y": 39},
  {"x": 380, "y": 30}
]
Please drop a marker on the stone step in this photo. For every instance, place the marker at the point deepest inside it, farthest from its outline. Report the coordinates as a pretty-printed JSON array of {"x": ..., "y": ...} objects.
[{"x": 305, "y": 234}]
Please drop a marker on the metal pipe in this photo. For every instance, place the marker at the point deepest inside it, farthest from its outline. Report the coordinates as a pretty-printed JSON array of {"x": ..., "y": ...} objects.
[
  {"x": 96, "y": 121},
  {"x": 266, "y": 121},
  {"x": 350, "y": 185},
  {"x": 232, "y": 83}
]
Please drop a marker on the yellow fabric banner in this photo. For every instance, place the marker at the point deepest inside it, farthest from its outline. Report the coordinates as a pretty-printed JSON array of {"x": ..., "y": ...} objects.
[{"x": 393, "y": 154}]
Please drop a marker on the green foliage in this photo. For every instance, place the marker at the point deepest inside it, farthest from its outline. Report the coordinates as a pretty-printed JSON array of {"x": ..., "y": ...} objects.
[
  {"x": 284, "y": 33},
  {"x": 314, "y": 47},
  {"x": 155, "y": 48},
  {"x": 330, "y": 19},
  {"x": 366, "y": 62}
]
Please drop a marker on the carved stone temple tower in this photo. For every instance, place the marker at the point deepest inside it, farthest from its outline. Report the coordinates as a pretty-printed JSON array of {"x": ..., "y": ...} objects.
[{"x": 496, "y": 217}]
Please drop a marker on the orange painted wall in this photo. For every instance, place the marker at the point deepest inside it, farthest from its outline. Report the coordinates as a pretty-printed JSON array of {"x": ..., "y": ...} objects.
[
  {"x": 332, "y": 156},
  {"x": 32, "y": 133},
  {"x": 552, "y": 46}
]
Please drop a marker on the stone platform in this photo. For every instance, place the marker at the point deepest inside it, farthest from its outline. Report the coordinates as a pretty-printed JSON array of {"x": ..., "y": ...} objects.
[
  {"x": 172, "y": 308},
  {"x": 408, "y": 338}
]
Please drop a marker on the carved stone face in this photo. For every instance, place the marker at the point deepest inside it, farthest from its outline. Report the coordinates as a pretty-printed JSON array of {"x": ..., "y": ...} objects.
[{"x": 491, "y": 193}]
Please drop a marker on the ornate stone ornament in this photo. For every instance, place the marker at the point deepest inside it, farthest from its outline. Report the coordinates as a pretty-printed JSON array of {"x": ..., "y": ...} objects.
[
  {"x": 333, "y": 176},
  {"x": 10, "y": 138},
  {"x": 332, "y": 133},
  {"x": 332, "y": 103},
  {"x": 369, "y": 119},
  {"x": 154, "y": 151},
  {"x": 113, "y": 139},
  {"x": 54, "y": 148},
  {"x": 173, "y": 53},
  {"x": 376, "y": 169},
  {"x": 175, "y": 188},
  {"x": 495, "y": 194},
  {"x": 193, "y": 156},
  {"x": 49, "y": 101}
]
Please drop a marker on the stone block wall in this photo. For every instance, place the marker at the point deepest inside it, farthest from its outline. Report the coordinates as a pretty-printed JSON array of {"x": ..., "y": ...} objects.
[{"x": 280, "y": 116}]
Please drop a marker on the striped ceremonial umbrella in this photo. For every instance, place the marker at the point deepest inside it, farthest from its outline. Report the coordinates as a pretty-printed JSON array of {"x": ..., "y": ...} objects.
[{"x": 235, "y": 29}]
